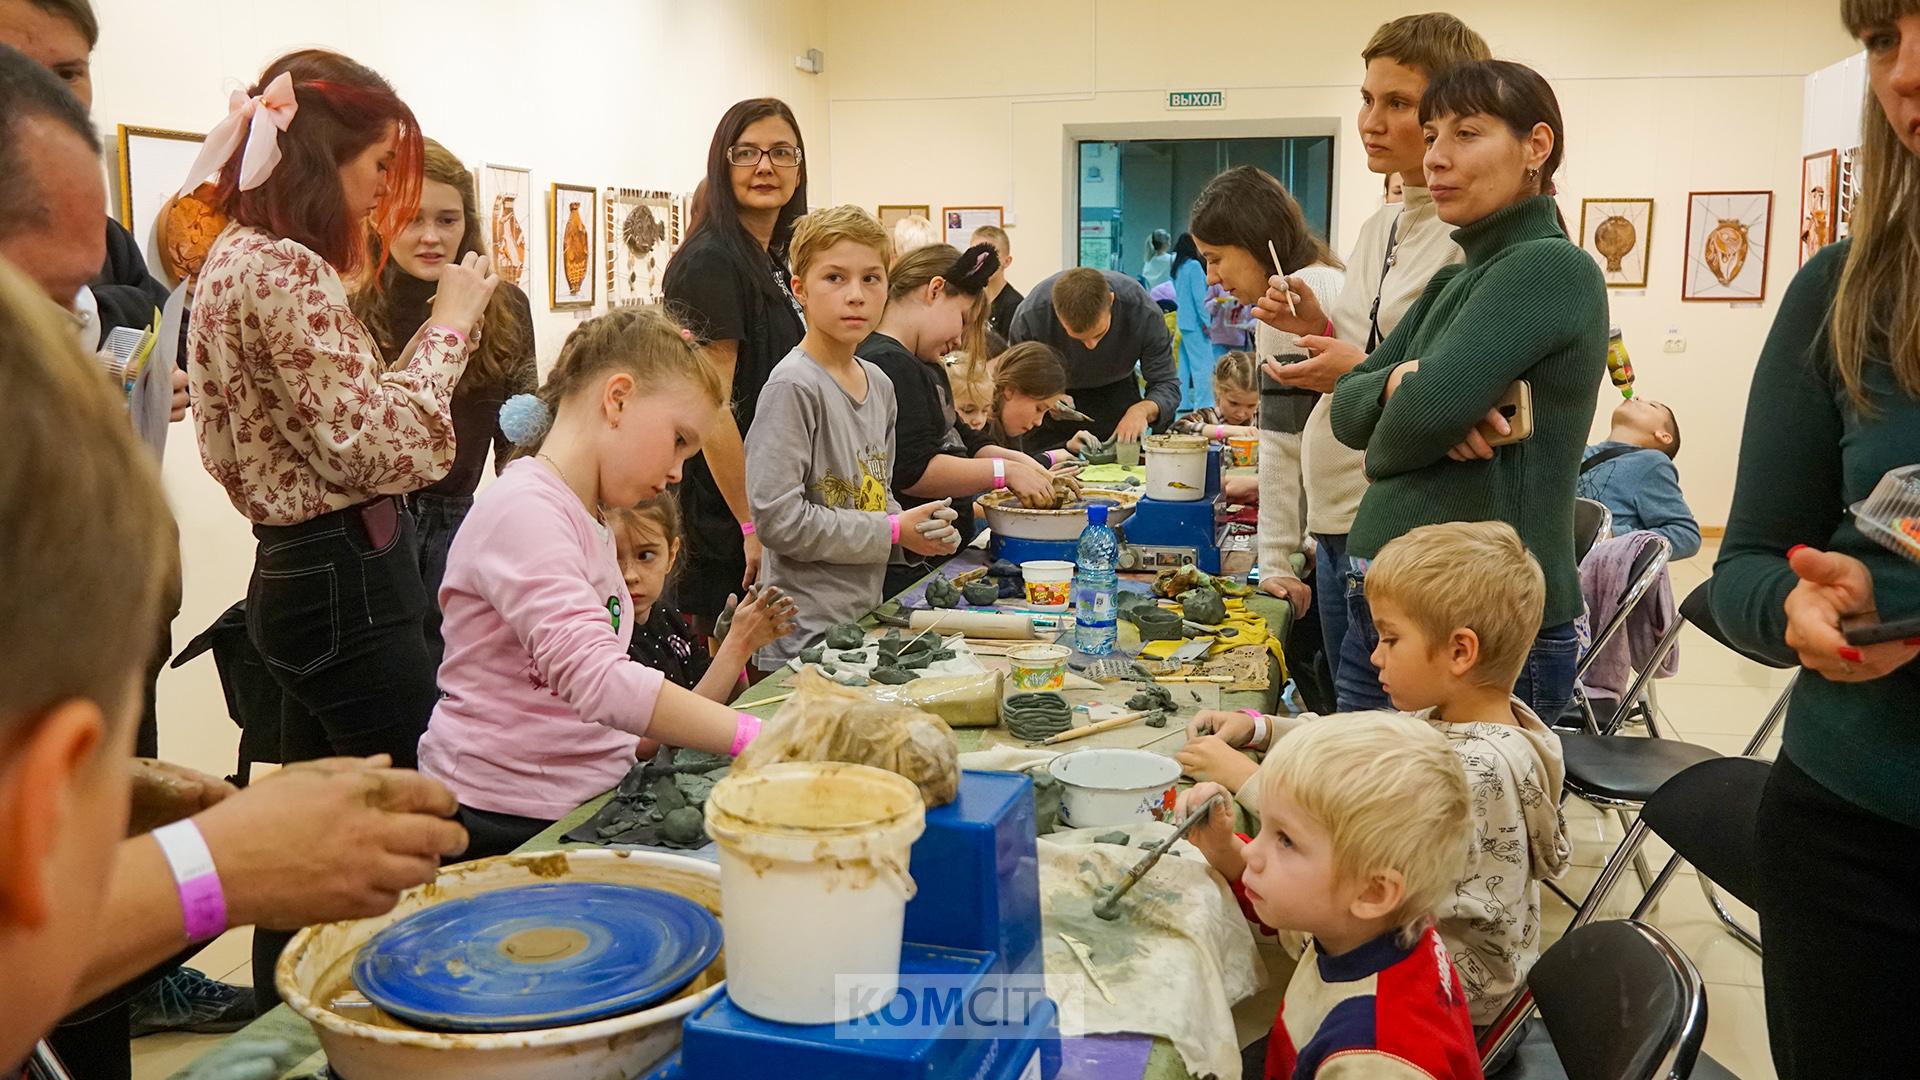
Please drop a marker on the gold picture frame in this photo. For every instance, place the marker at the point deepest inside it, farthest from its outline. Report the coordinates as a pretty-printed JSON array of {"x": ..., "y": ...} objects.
[
  {"x": 1618, "y": 234},
  {"x": 891, "y": 213},
  {"x": 958, "y": 222},
  {"x": 573, "y": 217}
]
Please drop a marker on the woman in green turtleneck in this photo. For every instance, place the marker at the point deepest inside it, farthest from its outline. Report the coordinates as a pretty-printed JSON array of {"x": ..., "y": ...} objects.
[
  {"x": 447, "y": 227},
  {"x": 1528, "y": 304}
]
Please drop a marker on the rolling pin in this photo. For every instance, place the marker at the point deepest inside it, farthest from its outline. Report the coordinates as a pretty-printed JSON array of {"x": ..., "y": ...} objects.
[{"x": 998, "y": 625}]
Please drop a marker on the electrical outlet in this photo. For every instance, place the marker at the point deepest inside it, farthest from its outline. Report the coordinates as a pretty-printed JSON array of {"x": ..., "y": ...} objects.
[{"x": 1676, "y": 343}]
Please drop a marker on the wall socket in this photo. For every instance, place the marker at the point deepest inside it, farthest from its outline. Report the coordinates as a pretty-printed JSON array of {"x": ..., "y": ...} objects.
[{"x": 1676, "y": 343}]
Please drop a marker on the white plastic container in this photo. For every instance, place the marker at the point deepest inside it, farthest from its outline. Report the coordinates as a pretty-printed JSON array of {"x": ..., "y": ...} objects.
[
  {"x": 1049, "y": 583},
  {"x": 814, "y": 886},
  {"x": 1112, "y": 786},
  {"x": 1177, "y": 467}
]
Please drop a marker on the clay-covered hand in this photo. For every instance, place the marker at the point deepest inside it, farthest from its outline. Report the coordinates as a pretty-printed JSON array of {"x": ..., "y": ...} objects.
[
  {"x": 1194, "y": 421},
  {"x": 765, "y": 616},
  {"x": 1082, "y": 442},
  {"x": 1210, "y": 758},
  {"x": 1295, "y": 592},
  {"x": 179, "y": 412},
  {"x": 1236, "y": 728},
  {"x": 1135, "y": 422},
  {"x": 1214, "y": 831},
  {"x": 1832, "y": 586},
  {"x": 1327, "y": 359},
  {"x": 938, "y": 537},
  {"x": 329, "y": 840},
  {"x": 1030, "y": 483},
  {"x": 1303, "y": 316},
  {"x": 464, "y": 290},
  {"x": 163, "y": 793}
]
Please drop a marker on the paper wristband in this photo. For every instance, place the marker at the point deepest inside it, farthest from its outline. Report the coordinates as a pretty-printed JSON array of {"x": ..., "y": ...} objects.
[
  {"x": 999, "y": 473},
  {"x": 893, "y": 524},
  {"x": 746, "y": 528},
  {"x": 746, "y": 726},
  {"x": 1220, "y": 432},
  {"x": 1259, "y": 727},
  {"x": 203, "y": 904}
]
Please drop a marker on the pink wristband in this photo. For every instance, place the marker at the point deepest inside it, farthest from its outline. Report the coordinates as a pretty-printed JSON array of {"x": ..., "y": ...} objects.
[
  {"x": 1255, "y": 713},
  {"x": 746, "y": 726},
  {"x": 893, "y": 523},
  {"x": 1220, "y": 432},
  {"x": 203, "y": 904},
  {"x": 999, "y": 473},
  {"x": 450, "y": 330},
  {"x": 746, "y": 528}
]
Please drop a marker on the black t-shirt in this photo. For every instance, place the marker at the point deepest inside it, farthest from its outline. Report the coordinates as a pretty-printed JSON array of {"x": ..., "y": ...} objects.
[
  {"x": 668, "y": 645},
  {"x": 722, "y": 300},
  {"x": 1000, "y": 315},
  {"x": 925, "y": 424}
]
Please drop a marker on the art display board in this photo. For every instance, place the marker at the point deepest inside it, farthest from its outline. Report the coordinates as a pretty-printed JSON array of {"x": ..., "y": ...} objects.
[
  {"x": 1728, "y": 236},
  {"x": 1618, "y": 234},
  {"x": 506, "y": 198},
  {"x": 960, "y": 221},
  {"x": 1819, "y": 184},
  {"x": 153, "y": 164},
  {"x": 571, "y": 212},
  {"x": 642, "y": 232}
]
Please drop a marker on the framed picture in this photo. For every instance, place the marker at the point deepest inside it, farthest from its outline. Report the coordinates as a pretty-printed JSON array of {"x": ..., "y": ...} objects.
[
  {"x": 1728, "y": 234},
  {"x": 1849, "y": 190},
  {"x": 1617, "y": 233},
  {"x": 682, "y": 220},
  {"x": 1819, "y": 188},
  {"x": 506, "y": 197},
  {"x": 960, "y": 221},
  {"x": 641, "y": 227},
  {"x": 890, "y": 214},
  {"x": 153, "y": 165},
  {"x": 570, "y": 247}
]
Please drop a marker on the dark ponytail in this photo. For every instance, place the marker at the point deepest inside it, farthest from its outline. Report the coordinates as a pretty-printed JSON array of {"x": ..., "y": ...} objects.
[{"x": 1514, "y": 94}]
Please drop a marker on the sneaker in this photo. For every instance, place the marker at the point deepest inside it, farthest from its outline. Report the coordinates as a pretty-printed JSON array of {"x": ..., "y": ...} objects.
[{"x": 187, "y": 1000}]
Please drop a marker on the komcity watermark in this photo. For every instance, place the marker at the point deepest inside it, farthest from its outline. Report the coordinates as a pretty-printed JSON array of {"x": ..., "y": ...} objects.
[{"x": 971, "y": 1006}]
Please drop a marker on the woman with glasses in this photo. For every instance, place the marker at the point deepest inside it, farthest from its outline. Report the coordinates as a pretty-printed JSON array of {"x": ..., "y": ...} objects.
[{"x": 729, "y": 282}]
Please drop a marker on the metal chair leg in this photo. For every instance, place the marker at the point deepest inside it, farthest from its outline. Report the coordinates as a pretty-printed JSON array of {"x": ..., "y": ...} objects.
[
  {"x": 1639, "y": 861},
  {"x": 1734, "y": 926},
  {"x": 1659, "y": 886},
  {"x": 1609, "y": 876},
  {"x": 1774, "y": 716}
]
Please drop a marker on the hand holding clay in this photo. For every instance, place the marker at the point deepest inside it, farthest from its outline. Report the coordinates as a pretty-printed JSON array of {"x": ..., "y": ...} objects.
[
  {"x": 938, "y": 536},
  {"x": 1209, "y": 758},
  {"x": 1234, "y": 727},
  {"x": 323, "y": 841},
  {"x": 766, "y": 615},
  {"x": 1033, "y": 484},
  {"x": 1215, "y": 831}
]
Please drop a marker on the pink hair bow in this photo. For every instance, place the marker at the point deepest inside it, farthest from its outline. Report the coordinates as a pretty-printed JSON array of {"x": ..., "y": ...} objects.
[{"x": 260, "y": 120}]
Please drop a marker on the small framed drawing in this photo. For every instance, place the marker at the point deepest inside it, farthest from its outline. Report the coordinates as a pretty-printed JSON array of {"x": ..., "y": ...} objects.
[
  {"x": 1728, "y": 235},
  {"x": 1617, "y": 233},
  {"x": 1819, "y": 190},
  {"x": 506, "y": 197},
  {"x": 570, "y": 244},
  {"x": 640, "y": 232},
  {"x": 960, "y": 221},
  {"x": 153, "y": 165},
  {"x": 891, "y": 213},
  {"x": 1849, "y": 190}
]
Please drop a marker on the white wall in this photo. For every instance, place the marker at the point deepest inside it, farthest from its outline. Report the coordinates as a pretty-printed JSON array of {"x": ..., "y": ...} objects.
[
  {"x": 1660, "y": 98},
  {"x": 593, "y": 92}
]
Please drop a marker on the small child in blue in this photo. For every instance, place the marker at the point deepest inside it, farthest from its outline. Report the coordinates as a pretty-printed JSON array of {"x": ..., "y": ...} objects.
[{"x": 1633, "y": 475}]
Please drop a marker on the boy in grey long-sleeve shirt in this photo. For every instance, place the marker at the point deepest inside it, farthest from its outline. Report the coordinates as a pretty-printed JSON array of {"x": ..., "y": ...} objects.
[{"x": 1632, "y": 474}]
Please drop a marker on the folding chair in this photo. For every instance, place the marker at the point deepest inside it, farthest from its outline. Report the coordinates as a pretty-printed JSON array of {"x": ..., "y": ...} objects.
[
  {"x": 1642, "y": 576},
  {"x": 1617, "y": 1000},
  {"x": 1591, "y": 521}
]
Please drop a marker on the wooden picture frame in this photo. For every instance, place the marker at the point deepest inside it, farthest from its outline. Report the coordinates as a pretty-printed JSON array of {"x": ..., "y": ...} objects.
[
  {"x": 642, "y": 229},
  {"x": 572, "y": 241},
  {"x": 153, "y": 164},
  {"x": 1618, "y": 233},
  {"x": 1722, "y": 262},
  {"x": 891, "y": 213},
  {"x": 958, "y": 222},
  {"x": 506, "y": 202},
  {"x": 1819, "y": 202}
]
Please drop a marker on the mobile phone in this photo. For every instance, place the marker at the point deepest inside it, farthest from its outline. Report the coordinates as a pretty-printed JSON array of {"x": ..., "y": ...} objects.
[
  {"x": 1517, "y": 406},
  {"x": 1869, "y": 630}
]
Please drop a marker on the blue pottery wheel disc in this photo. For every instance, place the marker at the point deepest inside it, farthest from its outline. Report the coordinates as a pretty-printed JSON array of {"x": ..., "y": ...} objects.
[{"x": 536, "y": 957}]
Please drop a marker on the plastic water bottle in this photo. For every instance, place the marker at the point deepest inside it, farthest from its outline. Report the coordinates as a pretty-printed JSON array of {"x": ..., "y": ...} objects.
[{"x": 1095, "y": 584}]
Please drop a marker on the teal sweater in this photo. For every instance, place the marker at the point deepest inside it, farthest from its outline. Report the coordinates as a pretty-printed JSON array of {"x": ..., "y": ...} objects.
[
  {"x": 1527, "y": 304},
  {"x": 1806, "y": 457}
]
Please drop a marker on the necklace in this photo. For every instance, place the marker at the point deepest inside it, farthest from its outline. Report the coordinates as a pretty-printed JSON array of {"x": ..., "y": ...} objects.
[{"x": 562, "y": 474}]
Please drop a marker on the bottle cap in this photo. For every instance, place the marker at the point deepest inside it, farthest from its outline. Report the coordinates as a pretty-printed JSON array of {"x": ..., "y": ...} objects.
[{"x": 1097, "y": 514}]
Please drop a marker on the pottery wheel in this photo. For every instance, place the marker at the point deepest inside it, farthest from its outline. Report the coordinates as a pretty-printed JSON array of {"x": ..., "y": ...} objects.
[{"x": 536, "y": 957}]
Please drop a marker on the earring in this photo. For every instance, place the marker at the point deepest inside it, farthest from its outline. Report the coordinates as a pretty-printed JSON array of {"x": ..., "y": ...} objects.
[{"x": 1532, "y": 175}]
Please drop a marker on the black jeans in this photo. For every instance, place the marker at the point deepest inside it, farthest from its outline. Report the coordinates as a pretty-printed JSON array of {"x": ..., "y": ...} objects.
[
  {"x": 335, "y": 609},
  {"x": 436, "y": 518},
  {"x": 1840, "y": 912}
]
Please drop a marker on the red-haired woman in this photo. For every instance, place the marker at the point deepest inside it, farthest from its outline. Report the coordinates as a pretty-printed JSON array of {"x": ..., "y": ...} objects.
[{"x": 300, "y": 419}]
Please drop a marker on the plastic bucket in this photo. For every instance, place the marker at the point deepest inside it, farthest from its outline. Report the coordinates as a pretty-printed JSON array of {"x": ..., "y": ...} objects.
[
  {"x": 820, "y": 848},
  {"x": 1243, "y": 450},
  {"x": 1039, "y": 667},
  {"x": 1049, "y": 583},
  {"x": 1177, "y": 467},
  {"x": 1110, "y": 787}
]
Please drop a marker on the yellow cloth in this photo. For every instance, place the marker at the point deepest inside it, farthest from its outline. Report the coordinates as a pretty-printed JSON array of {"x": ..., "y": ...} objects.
[{"x": 1112, "y": 474}]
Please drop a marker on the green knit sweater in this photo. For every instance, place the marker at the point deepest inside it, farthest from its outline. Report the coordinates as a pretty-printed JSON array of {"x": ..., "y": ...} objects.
[
  {"x": 1527, "y": 304},
  {"x": 1807, "y": 455}
]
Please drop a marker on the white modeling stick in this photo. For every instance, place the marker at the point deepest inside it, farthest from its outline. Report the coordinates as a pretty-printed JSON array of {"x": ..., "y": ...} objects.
[{"x": 1282, "y": 271}]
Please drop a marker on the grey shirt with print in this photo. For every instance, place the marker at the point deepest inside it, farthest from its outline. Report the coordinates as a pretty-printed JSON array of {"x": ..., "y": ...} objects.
[{"x": 820, "y": 483}]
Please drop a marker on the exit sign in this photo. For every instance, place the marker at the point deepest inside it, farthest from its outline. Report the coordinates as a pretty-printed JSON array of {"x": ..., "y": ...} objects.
[{"x": 1196, "y": 99}]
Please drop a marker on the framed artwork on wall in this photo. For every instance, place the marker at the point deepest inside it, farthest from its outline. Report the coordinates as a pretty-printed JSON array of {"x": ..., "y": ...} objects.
[
  {"x": 1617, "y": 233},
  {"x": 640, "y": 233},
  {"x": 1728, "y": 235},
  {"x": 506, "y": 197},
  {"x": 153, "y": 165},
  {"x": 960, "y": 221},
  {"x": 570, "y": 247},
  {"x": 1849, "y": 189},
  {"x": 1819, "y": 185},
  {"x": 891, "y": 213}
]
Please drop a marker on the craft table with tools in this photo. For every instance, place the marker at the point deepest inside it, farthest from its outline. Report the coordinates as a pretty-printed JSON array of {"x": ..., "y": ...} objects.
[{"x": 1102, "y": 1056}]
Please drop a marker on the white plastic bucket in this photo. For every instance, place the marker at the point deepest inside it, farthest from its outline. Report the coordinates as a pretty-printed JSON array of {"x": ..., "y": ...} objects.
[
  {"x": 1109, "y": 787},
  {"x": 814, "y": 886},
  {"x": 1177, "y": 467},
  {"x": 1049, "y": 583}
]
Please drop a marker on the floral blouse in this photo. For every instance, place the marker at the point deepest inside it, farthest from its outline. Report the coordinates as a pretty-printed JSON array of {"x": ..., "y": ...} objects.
[{"x": 296, "y": 413}]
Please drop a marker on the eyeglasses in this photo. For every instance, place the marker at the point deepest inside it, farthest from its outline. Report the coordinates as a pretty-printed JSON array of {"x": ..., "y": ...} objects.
[{"x": 783, "y": 156}]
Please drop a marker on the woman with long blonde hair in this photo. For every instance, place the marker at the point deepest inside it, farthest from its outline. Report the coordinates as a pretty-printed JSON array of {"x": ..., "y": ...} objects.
[
  {"x": 395, "y": 308},
  {"x": 1835, "y": 405}
]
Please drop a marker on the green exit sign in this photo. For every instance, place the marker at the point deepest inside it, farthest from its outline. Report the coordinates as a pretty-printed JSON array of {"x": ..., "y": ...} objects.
[{"x": 1196, "y": 99}]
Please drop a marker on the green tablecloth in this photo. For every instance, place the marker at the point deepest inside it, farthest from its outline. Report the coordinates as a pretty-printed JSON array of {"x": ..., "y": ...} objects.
[{"x": 1164, "y": 1064}]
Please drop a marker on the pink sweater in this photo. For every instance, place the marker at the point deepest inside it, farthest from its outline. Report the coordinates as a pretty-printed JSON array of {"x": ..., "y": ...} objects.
[{"x": 540, "y": 705}]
